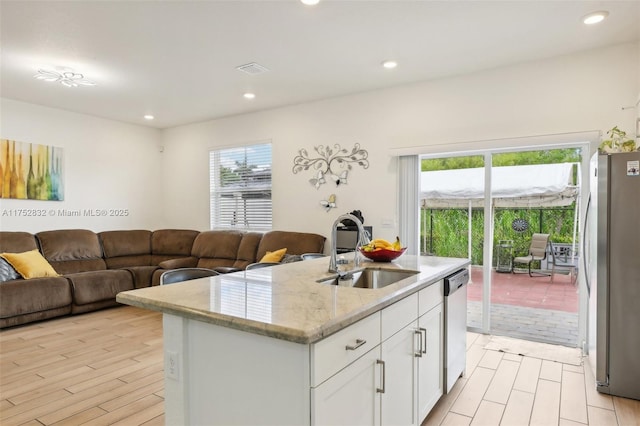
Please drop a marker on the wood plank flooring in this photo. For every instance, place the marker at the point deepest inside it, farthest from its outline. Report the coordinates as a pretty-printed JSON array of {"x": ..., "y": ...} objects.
[
  {"x": 504, "y": 389},
  {"x": 100, "y": 368},
  {"x": 106, "y": 368}
]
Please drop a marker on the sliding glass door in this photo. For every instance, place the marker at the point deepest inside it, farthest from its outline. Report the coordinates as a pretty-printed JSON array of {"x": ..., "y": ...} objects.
[
  {"x": 487, "y": 208},
  {"x": 535, "y": 193},
  {"x": 452, "y": 219}
]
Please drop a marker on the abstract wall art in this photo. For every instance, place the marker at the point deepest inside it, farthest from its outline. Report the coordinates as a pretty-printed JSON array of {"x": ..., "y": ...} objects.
[{"x": 31, "y": 171}]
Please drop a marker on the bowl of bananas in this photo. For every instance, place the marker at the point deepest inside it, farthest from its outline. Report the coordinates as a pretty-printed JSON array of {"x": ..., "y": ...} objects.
[{"x": 380, "y": 250}]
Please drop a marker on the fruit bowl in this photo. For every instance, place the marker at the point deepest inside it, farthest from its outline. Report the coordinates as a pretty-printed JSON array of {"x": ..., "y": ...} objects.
[{"x": 383, "y": 255}]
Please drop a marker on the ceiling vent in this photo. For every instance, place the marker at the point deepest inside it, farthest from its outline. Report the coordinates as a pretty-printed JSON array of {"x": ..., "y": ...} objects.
[{"x": 252, "y": 68}]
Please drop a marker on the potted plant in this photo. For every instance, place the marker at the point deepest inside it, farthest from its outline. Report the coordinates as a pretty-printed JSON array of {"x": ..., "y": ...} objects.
[{"x": 617, "y": 141}]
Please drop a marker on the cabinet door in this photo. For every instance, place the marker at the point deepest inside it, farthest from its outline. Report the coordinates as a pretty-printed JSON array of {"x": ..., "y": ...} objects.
[
  {"x": 349, "y": 397},
  {"x": 398, "y": 402},
  {"x": 430, "y": 365}
]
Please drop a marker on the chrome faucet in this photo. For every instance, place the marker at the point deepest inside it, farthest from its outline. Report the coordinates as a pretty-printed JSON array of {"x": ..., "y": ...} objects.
[{"x": 363, "y": 239}]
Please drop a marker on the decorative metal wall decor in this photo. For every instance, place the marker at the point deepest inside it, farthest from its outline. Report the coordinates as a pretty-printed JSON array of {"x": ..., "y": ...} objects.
[
  {"x": 329, "y": 203},
  {"x": 332, "y": 162},
  {"x": 519, "y": 225}
]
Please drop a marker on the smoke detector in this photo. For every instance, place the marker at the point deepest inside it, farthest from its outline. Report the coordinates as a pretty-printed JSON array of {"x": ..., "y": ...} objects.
[{"x": 252, "y": 68}]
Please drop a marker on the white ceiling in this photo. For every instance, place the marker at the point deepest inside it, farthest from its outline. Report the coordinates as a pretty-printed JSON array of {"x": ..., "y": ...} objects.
[{"x": 176, "y": 59}]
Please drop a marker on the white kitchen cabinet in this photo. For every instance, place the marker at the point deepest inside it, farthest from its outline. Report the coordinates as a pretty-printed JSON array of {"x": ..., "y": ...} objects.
[
  {"x": 398, "y": 401},
  {"x": 430, "y": 364},
  {"x": 385, "y": 379},
  {"x": 335, "y": 352},
  {"x": 401, "y": 379},
  {"x": 349, "y": 397},
  {"x": 385, "y": 369}
]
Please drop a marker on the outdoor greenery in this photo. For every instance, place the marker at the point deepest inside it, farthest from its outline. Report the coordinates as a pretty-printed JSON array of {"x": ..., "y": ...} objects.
[
  {"x": 552, "y": 156},
  {"x": 444, "y": 232}
]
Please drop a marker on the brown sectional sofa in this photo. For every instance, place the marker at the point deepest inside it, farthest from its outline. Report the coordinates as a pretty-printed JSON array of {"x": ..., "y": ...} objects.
[
  {"x": 94, "y": 267},
  {"x": 17, "y": 302},
  {"x": 140, "y": 252}
]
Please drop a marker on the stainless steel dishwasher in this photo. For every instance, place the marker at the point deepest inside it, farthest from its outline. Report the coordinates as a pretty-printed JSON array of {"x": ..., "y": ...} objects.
[{"x": 455, "y": 325}]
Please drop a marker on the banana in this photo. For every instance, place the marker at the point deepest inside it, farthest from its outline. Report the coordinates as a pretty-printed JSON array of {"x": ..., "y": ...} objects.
[
  {"x": 371, "y": 247},
  {"x": 382, "y": 243},
  {"x": 397, "y": 246}
]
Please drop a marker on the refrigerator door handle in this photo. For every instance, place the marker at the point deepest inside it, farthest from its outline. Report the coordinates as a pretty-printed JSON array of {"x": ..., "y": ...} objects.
[{"x": 584, "y": 245}]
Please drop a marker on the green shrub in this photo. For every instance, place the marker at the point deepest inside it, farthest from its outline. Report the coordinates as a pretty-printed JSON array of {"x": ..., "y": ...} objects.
[{"x": 444, "y": 232}]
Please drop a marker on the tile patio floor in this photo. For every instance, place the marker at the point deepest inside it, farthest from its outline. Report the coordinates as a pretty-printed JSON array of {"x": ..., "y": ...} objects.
[{"x": 531, "y": 308}]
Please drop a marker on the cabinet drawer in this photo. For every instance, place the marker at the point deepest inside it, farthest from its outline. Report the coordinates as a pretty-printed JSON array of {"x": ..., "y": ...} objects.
[
  {"x": 430, "y": 297},
  {"x": 395, "y": 317},
  {"x": 332, "y": 354}
]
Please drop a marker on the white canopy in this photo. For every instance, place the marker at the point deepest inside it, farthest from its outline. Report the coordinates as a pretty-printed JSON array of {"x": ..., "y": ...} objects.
[{"x": 530, "y": 186}]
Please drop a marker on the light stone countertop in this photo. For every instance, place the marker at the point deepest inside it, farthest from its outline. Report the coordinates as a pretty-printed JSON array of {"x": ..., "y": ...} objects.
[{"x": 286, "y": 301}]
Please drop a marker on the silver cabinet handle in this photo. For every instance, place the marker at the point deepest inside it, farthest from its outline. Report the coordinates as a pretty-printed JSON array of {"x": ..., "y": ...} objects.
[
  {"x": 424, "y": 349},
  {"x": 419, "y": 353},
  {"x": 384, "y": 373},
  {"x": 359, "y": 342}
]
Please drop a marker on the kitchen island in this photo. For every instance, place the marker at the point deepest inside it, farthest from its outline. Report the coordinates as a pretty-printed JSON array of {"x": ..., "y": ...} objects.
[{"x": 276, "y": 346}]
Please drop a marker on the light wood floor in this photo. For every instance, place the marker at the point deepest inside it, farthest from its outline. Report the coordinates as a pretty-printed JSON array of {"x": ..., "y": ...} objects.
[
  {"x": 505, "y": 389},
  {"x": 99, "y": 368},
  {"x": 106, "y": 368}
]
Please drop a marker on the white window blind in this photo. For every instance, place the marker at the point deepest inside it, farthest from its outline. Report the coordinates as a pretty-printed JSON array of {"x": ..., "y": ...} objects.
[
  {"x": 409, "y": 201},
  {"x": 240, "y": 187}
]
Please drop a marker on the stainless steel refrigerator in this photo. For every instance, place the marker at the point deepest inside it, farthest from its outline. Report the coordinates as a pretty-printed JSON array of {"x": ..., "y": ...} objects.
[{"x": 612, "y": 266}]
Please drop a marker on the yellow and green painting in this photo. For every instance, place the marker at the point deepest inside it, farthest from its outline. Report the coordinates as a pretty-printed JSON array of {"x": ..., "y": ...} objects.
[{"x": 30, "y": 171}]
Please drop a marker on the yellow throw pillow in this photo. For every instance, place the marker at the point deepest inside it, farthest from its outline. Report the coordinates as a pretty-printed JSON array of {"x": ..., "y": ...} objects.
[
  {"x": 30, "y": 264},
  {"x": 273, "y": 256}
]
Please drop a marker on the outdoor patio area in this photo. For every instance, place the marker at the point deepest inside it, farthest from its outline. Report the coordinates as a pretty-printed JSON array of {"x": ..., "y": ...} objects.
[{"x": 527, "y": 307}]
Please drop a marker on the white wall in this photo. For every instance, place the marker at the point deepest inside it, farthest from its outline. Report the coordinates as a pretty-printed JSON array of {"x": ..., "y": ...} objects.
[
  {"x": 111, "y": 165},
  {"x": 575, "y": 93},
  {"x": 107, "y": 165}
]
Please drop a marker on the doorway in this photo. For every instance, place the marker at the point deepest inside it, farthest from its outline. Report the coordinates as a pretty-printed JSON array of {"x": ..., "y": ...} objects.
[{"x": 522, "y": 192}]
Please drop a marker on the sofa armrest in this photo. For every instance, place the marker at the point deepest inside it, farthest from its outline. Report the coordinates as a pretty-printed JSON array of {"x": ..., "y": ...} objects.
[{"x": 186, "y": 262}]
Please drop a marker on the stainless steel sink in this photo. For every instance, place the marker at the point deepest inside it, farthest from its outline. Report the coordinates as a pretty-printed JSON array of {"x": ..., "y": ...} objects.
[{"x": 369, "y": 278}]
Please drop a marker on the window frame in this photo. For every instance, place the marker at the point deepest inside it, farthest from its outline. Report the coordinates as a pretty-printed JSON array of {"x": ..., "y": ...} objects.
[{"x": 249, "y": 205}]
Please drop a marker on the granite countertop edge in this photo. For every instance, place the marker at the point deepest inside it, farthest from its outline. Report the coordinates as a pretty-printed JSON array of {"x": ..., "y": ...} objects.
[{"x": 291, "y": 334}]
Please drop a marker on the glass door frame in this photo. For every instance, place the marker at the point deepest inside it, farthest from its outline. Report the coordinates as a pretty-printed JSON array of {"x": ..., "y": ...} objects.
[{"x": 585, "y": 146}]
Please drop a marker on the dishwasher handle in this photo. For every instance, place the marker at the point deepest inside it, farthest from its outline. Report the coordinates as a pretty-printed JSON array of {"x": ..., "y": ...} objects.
[{"x": 455, "y": 281}]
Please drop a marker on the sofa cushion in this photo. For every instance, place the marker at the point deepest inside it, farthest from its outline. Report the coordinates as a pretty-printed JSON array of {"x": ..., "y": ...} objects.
[
  {"x": 183, "y": 262},
  {"x": 17, "y": 242},
  {"x": 30, "y": 264},
  {"x": 142, "y": 275},
  {"x": 248, "y": 249},
  {"x": 290, "y": 258},
  {"x": 171, "y": 244},
  {"x": 295, "y": 242},
  {"x": 216, "y": 248},
  {"x": 22, "y": 297},
  {"x": 96, "y": 286},
  {"x": 273, "y": 256},
  {"x": 7, "y": 272},
  {"x": 126, "y": 248},
  {"x": 72, "y": 250}
]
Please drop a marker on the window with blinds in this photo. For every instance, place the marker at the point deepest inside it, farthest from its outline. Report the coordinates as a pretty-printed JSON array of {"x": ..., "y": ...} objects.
[{"x": 240, "y": 187}]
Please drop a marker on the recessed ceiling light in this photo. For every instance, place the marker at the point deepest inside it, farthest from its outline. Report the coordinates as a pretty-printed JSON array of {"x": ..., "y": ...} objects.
[
  {"x": 65, "y": 76},
  {"x": 249, "y": 95},
  {"x": 310, "y": 2},
  {"x": 149, "y": 117},
  {"x": 595, "y": 17},
  {"x": 389, "y": 64}
]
